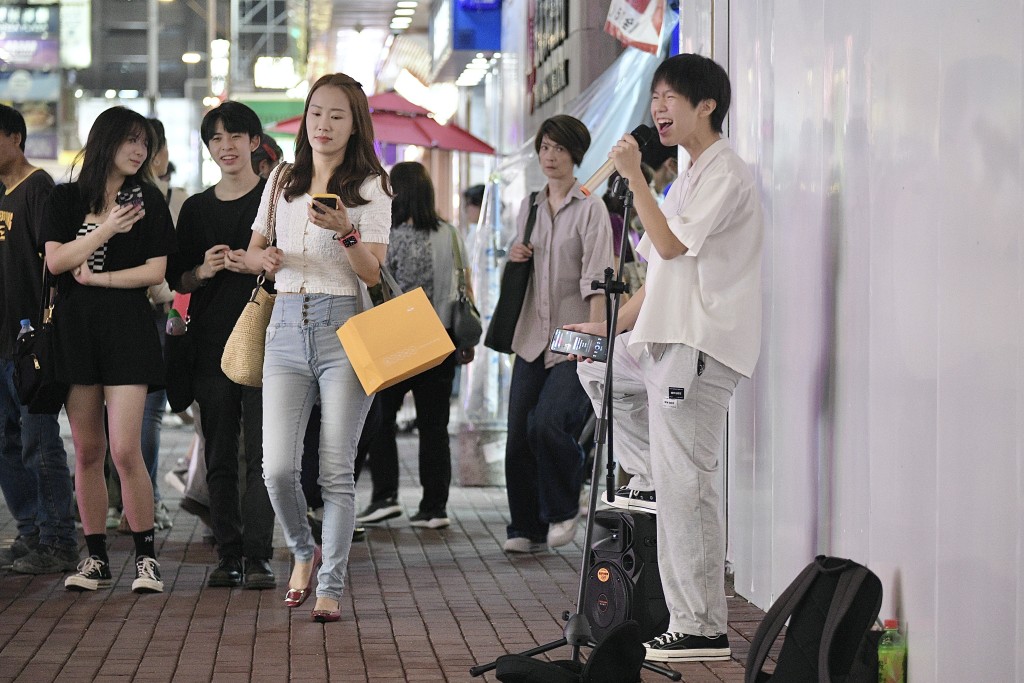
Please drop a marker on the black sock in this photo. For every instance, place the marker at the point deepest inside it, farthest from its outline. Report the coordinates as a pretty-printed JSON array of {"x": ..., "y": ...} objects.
[
  {"x": 144, "y": 544},
  {"x": 97, "y": 545}
]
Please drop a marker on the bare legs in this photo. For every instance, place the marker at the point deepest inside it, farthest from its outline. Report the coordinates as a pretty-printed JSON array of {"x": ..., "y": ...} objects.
[{"x": 124, "y": 408}]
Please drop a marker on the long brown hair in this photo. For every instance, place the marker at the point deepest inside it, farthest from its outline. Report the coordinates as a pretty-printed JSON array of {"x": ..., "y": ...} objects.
[{"x": 360, "y": 160}]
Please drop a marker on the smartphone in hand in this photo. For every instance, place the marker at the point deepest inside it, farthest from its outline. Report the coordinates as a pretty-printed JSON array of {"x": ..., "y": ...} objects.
[
  {"x": 580, "y": 344},
  {"x": 327, "y": 199}
]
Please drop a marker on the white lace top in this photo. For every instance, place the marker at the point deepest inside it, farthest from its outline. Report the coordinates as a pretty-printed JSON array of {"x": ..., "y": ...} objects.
[{"x": 313, "y": 262}]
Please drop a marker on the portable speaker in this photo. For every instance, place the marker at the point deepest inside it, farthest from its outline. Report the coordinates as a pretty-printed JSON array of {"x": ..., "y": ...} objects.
[{"x": 623, "y": 582}]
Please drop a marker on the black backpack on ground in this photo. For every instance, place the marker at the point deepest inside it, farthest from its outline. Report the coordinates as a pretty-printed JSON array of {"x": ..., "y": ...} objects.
[
  {"x": 831, "y": 607},
  {"x": 618, "y": 658}
]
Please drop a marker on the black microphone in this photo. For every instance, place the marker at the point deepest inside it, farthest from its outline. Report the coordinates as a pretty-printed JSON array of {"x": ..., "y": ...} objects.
[{"x": 643, "y": 135}]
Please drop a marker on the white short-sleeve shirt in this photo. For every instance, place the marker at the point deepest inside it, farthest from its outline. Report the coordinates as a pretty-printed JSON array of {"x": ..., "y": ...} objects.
[
  {"x": 710, "y": 297},
  {"x": 313, "y": 261}
]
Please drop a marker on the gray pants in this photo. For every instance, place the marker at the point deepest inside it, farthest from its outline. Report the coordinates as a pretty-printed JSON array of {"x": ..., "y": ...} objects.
[{"x": 669, "y": 426}]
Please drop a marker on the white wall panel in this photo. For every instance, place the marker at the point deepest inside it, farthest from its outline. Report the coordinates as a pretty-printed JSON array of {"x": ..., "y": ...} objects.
[{"x": 885, "y": 421}]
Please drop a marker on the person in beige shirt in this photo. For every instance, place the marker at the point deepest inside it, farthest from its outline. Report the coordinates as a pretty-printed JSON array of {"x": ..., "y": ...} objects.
[{"x": 570, "y": 246}]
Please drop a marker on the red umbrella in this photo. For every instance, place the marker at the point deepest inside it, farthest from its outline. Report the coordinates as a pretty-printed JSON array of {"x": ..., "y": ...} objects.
[{"x": 398, "y": 121}]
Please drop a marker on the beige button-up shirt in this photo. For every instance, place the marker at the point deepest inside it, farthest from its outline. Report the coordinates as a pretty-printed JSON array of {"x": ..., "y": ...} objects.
[{"x": 571, "y": 249}]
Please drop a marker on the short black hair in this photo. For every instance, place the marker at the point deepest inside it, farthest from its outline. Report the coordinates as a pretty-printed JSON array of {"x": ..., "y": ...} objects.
[
  {"x": 567, "y": 131},
  {"x": 697, "y": 79},
  {"x": 236, "y": 117},
  {"x": 474, "y": 195},
  {"x": 268, "y": 150},
  {"x": 11, "y": 122}
]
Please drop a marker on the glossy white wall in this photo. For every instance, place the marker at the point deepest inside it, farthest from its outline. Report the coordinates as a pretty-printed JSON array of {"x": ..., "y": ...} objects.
[{"x": 885, "y": 421}]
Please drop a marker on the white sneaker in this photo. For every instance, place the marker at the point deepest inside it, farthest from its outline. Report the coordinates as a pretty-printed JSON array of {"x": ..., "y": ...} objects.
[
  {"x": 562, "y": 533},
  {"x": 524, "y": 545}
]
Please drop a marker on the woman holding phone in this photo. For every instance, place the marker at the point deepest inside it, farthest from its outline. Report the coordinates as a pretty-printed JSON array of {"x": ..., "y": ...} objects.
[
  {"x": 107, "y": 238},
  {"x": 319, "y": 260}
]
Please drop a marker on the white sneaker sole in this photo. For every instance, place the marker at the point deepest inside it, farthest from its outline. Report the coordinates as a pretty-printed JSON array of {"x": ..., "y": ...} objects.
[
  {"x": 80, "y": 583},
  {"x": 704, "y": 655},
  {"x": 381, "y": 515},
  {"x": 147, "y": 586},
  {"x": 434, "y": 523}
]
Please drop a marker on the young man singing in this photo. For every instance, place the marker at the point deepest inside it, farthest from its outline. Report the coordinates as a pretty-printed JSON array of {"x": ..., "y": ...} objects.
[{"x": 688, "y": 336}]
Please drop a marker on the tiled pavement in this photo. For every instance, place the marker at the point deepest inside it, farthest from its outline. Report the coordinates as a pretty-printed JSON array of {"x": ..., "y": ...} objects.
[{"x": 421, "y": 605}]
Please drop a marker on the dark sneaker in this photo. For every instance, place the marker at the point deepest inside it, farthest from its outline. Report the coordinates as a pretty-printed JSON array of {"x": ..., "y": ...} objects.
[
  {"x": 631, "y": 499},
  {"x": 147, "y": 576},
  {"x": 380, "y": 510},
  {"x": 20, "y": 547},
  {"x": 93, "y": 574},
  {"x": 682, "y": 647},
  {"x": 428, "y": 520},
  {"x": 47, "y": 559},
  {"x": 259, "y": 575},
  {"x": 228, "y": 573}
]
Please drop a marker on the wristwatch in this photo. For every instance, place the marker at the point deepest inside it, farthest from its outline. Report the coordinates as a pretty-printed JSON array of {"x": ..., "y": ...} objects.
[{"x": 351, "y": 239}]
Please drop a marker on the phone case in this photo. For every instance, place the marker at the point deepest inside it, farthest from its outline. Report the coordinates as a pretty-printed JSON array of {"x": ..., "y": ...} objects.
[
  {"x": 132, "y": 195},
  {"x": 329, "y": 199}
]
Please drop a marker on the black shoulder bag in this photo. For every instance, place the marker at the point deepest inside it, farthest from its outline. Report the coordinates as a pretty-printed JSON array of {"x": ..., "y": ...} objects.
[
  {"x": 514, "y": 280},
  {"x": 35, "y": 375}
]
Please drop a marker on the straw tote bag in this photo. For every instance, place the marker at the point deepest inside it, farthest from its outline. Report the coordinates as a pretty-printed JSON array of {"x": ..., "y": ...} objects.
[{"x": 242, "y": 361}]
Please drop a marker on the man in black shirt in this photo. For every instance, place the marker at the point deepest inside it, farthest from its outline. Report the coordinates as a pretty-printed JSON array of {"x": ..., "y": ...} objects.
[
  {"x": 214, "y": 229},
  {"x": 34, "y": 473}
]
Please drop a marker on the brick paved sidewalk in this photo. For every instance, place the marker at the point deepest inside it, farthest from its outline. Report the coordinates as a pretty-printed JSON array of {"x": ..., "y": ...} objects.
[{"x": 421, "y": 605}]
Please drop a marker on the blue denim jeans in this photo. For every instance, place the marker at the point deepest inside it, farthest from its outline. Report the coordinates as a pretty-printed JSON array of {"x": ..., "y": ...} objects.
[
  {"x": 34, "y": 474},
  {"x": 304, "y": 360},
  {"x": 547, "y": 409}
]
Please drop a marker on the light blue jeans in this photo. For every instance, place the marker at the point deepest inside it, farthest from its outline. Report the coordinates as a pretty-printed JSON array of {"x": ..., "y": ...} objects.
[{"x": 305, "y": 360}]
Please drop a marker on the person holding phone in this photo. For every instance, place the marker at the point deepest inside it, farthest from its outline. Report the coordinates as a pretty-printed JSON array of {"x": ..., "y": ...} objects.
[
  {"x": 107, "y": 237},
  {"x": 321, "y": 258},
  {"x": 214, "y": 230},
  {"x": 687, "y": 337},
  {"x": 571, "y": 245}
]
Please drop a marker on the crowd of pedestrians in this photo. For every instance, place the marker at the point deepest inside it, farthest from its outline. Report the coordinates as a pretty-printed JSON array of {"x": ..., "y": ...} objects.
[{"x": 320, "y": 230}]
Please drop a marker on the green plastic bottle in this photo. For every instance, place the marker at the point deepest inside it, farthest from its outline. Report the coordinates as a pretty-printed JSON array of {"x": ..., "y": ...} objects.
[{"x": 892, "y": 654}]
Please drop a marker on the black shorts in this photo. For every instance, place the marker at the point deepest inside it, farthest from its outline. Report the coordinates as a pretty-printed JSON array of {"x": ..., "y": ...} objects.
[{"x": 107, "y": 336}]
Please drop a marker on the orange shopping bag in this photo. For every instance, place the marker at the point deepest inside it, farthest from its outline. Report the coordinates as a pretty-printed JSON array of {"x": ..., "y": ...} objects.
[{"x": 395, "y": 340}]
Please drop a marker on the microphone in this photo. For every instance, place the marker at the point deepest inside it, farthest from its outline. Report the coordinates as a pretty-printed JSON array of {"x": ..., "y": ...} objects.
[{"x": 643, "y": 135}]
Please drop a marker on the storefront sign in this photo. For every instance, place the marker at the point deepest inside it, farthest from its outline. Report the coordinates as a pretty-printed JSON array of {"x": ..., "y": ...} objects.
[
  {"x": 549, "y": 22},
  {"x": 35, "y": 95},
  {"x": 29, "y": 36}
]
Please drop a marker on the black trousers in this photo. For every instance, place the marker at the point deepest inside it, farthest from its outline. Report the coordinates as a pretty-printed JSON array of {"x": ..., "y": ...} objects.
[
  {"x": 431, "y": 392},
  {"x": 243, "y": 521}
]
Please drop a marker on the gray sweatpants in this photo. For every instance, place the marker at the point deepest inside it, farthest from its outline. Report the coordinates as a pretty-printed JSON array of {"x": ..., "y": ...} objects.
[{"x": 669, "y": 425}]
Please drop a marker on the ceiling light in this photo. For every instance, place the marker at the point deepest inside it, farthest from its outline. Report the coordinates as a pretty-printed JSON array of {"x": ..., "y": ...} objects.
[
  {"x": 110, "y": 94},
  {"x": 191, "y": 57},
  {"x": 404, "y": 12},
  {"x": 408, "y": 3},
  {"x": 404, "y": 22}
]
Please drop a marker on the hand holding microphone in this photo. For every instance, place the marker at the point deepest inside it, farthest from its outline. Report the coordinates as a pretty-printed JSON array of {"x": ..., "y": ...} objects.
[{"x": 642, "y": 134}]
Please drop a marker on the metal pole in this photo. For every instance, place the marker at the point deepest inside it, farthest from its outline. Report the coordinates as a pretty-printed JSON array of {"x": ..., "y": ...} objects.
[
  {"x": 211, "y": 35},
  {"x": 153, "y": 56}
]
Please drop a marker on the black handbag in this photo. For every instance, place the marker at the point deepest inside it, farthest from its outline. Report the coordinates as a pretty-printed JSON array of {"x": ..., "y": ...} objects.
[
  {"x": 514, "y": 280},
  {"x": 179, "y": 368},
  {"x": 35, "y": 374},
  {"x": 466, "y": 326}
]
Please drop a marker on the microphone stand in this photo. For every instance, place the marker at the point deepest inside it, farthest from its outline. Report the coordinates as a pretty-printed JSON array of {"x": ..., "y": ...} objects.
[{"x": 577, "y": 632}]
